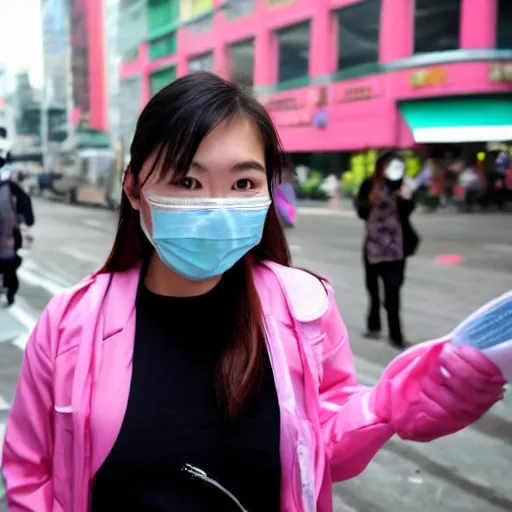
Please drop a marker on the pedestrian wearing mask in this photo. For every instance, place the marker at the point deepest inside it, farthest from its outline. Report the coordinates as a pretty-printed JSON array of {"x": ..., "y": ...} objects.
[
  {"x": 385, "y": 203},
  {"x": 198, "y": 370}
]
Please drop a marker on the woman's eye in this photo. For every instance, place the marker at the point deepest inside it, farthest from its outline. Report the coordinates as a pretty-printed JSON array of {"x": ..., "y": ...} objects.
[
  {"x": 244, "y": 184},
  {"x": 189, "y": 183}
]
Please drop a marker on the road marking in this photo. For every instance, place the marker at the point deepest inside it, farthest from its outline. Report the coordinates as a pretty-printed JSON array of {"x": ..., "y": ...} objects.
[
  {"x": 4, "y": 405},
  {"x": 27, "y": 320},
  {"x": 93, "y": 223},
  {"x": 295, "y": 248},
  {"x": 503, "y": 248},
  {"x": 306, "y": 210},
  {"x": 76, "y": 254},
  {"x": 2, "y": 436},
  {"x": 40, "y": 281},
  {"x": 340, "y": 506}
]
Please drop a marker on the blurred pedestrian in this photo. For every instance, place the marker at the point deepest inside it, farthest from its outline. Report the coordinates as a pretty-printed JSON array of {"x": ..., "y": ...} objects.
[
  {"x": 385, "y": 203},
  {"x": 15, "y": 209},
  {"x": 285, "y": 199},
  {"x": 199, "y": 371}
]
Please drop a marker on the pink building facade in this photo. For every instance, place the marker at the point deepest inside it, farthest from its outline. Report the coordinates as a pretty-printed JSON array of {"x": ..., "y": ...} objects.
[
  {"x": 89, "y": 85},
  {"x": 376, "y": 106}
]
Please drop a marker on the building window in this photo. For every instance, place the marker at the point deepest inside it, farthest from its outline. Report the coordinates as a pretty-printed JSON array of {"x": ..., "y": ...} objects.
[
  {"x": 504, "y": 25},
  {"x": 242, "y": 63},
  {"x": 201, "y": 63},
  {"x": 239, "y": 8},
  {"x": 162, "y": 47},
  {"x": 130, "y": 91},
  {"x": 198, "y": 15},
  {"x": 436, "y": 25},
  {"x": 160, "y": 79},
  {"x": 293, "y": 48},
  {"x": 133, "y": 20},
  {"x": 358, "y": 43},
  {"x": 162, "y": 16}
]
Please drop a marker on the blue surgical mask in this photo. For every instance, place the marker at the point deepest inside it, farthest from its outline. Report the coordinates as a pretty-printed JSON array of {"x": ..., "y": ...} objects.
[{"x": 200, "y": 238}]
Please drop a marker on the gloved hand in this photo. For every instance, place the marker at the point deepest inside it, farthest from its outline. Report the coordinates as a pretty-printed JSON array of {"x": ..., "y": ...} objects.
[
  {"x": 437, "y": 389},
  {"x": 440, "y": 387}
]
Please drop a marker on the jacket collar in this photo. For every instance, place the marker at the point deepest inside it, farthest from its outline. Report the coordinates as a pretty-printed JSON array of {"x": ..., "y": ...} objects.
[{"x": 121, "y": 292}]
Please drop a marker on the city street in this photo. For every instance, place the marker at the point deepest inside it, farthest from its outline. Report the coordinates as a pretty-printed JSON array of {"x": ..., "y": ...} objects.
[{"x": 466, "y": 472}]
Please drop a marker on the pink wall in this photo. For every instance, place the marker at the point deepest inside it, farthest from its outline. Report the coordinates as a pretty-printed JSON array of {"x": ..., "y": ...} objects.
[
  {"x": 368, "y": 119},
  {"x": 97, "y": 79}
]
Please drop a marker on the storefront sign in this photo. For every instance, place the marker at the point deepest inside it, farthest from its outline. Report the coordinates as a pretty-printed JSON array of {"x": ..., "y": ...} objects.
[
  {"x": 289, "y": 112},
  {"x": 433, "y": 77},
  {"x": 500, "y": 72},
  {"x": 293, "y": 111},
  {"x": 361, "y": 93}
]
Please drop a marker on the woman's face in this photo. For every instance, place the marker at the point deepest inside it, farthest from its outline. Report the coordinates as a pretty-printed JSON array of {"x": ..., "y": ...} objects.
[{"x": 230, "y": 162}]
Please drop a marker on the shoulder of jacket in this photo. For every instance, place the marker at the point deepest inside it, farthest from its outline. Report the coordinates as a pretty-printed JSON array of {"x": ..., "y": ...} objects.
[
  {"x": 68, "y": 307},
  {"x": 306, "y": 293}
]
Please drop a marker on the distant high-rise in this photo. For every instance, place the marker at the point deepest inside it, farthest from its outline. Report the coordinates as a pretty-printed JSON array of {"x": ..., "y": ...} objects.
[{"x": 74, "y": 60}]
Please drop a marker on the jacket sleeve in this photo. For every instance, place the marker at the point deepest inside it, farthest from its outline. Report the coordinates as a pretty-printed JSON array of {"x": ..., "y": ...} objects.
[
  {"x": 405, "y": 207},
  {"x": 23, "y": 204},
  {"x": 357, "y": 421},
  {"x": 353, "y": 431},
  {"x": 27, "y": 453}
]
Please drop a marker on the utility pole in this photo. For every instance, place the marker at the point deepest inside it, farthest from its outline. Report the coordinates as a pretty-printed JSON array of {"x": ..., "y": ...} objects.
[
  {"x": 43, "y": 118},
  {"x": 44, "y": 135}
]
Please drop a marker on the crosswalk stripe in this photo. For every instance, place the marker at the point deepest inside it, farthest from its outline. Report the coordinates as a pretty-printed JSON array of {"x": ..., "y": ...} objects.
[
  {"x": 4, "y": 405},
  {"x": 2, "y": 435}
]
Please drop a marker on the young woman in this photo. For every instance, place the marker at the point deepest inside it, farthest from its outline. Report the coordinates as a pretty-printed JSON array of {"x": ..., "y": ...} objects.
[
  {"x": 197, "y": 371},
  {"x": 385, "y": 205}
]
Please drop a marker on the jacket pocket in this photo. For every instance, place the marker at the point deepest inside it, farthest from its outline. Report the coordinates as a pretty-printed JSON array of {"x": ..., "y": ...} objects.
[{"x": 63, "y": 454}]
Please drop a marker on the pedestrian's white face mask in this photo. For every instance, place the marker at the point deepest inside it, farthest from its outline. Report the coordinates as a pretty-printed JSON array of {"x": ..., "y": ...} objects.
[
  {"x": 395, "y": 170},
  {"x": 5, "y": 174}
]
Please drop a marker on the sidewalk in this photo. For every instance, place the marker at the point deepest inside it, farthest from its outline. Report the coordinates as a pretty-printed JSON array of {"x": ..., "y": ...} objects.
[{"x": 346, "y": 209}]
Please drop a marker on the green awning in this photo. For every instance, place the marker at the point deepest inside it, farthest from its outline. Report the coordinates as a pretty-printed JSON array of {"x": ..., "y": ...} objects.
[{"x": 467, "y": 119}]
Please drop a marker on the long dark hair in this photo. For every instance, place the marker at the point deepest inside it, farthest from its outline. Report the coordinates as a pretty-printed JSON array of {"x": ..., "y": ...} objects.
[
  {"x": 378, "y": 176},
  {"x": 173, "y": 124}
]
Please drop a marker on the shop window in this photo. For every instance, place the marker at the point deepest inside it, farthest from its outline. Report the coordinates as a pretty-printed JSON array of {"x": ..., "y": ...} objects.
[
  {"x": 162, "y": 47},
  {"x": 198, "y": 15},
  {"x": 293, "y": 48},
  {"x": 358, "y": 43},
  {"x": 133, "y": 20},
  {"x": 504, "y": 25},
  {"x": 242, "y": 62},
  {"x": 161, "y": 79},
  {"x": 436, "y": 25},
  {"x": 130, "y": 91},
  {"x": 239, "y": 8},
  {"x": 201, "y": 63},
  {"x": 162, "y": 15}
]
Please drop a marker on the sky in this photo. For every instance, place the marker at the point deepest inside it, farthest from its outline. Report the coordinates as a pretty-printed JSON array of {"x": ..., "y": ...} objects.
[{"x": 20, "y": 39}]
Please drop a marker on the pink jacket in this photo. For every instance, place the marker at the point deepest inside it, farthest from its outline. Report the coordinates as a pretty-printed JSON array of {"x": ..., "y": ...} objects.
[{"x": 77, "y": 369}]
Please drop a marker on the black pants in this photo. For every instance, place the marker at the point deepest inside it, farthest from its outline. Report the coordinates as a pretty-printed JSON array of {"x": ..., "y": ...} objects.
[
  {"x": 8, "y": 268},
  {"x": 392, "y": 275}
]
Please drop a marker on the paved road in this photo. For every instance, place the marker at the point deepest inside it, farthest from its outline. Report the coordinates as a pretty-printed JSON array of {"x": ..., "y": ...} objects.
[{"x": 469, "y": 471}]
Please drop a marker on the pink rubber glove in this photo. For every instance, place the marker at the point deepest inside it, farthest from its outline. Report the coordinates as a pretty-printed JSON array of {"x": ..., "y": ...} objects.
[{"x": 441, "y": 392}]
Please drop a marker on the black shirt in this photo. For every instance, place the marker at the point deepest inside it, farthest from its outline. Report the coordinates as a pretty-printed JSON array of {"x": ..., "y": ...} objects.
[{"x": 173, "y": 418}]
